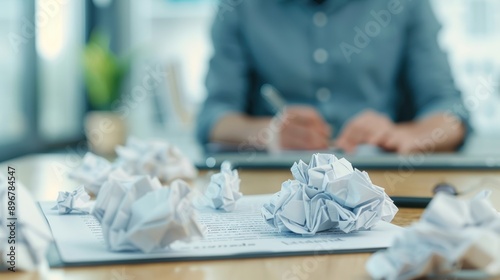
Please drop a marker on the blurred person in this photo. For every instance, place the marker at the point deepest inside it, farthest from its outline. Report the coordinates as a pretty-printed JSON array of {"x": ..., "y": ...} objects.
[{"x": 363, "y": 72}]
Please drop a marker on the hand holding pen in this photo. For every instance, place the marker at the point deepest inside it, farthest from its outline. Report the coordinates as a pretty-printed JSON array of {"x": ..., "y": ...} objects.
[{"x": 299, "y": 127}]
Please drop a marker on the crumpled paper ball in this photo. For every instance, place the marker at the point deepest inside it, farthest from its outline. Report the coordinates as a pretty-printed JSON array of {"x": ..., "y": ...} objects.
[
  {"x": 93, "y": 172},
  {"x": 328, "y": 194},
  {"x": 136, "y": 213},
  {"x": 156, "y": 159},
  {"x": 32, "y": 235},
  {"x": 452, "y": 234},
  {"x": 77, "y": 200},
  {"x": 223, "y": 189}
]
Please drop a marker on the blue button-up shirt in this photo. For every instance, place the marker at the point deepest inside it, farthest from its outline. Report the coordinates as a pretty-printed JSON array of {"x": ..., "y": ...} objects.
[{"x": 342, "y": 57}]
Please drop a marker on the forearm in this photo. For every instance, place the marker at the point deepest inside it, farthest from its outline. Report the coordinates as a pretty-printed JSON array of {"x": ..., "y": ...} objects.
[
  {"x": 237, "y": 128},
  {"x": 438, "y": 133}
]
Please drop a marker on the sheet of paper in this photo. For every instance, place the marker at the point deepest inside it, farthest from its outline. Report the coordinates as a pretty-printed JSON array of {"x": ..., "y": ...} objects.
[{"x": 240, "y": 233}]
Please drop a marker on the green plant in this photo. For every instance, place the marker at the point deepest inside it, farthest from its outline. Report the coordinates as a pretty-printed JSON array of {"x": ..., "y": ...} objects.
[{"x": 104, "y": 72}]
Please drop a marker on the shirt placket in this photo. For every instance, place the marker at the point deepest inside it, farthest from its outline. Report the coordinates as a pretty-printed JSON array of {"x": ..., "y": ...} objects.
[{"x": 320, "y": 55}]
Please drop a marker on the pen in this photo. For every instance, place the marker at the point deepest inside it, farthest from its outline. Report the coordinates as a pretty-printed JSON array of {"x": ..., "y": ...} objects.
[{"x": 273, "y": 97}]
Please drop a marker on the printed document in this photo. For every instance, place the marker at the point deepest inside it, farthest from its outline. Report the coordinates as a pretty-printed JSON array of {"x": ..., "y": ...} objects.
[{"x": 241, "y": 233}]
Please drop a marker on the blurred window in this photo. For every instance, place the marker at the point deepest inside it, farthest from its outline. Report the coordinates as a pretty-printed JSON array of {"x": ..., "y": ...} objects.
[
  {"x": 472, "y": 40},
  {"x": 13, "y": 118},
  {"x": 41, "y": 92},
  {"x": 59, "y": 45}
]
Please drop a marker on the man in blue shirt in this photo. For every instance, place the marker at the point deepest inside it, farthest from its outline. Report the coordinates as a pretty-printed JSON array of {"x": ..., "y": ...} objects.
[{"x": 363, "y": 71}]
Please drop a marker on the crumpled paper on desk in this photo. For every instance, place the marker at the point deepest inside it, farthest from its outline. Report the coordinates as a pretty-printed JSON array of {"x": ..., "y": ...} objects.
[
  {"x": 452, "y": 234},
  {"x": 155, "y": 158},
  {"x": 32, "y": 235},
  {"x": 136, "y": 213},
  {"x": 77, "y": 200},
  {"x": 224, "y": 188},
  {"x": 93, "y": 172},
  {"x": 328, "y": 194}
]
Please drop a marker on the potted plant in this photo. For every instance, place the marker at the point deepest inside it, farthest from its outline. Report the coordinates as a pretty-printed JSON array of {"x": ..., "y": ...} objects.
[{"x": 104, "y": 76}]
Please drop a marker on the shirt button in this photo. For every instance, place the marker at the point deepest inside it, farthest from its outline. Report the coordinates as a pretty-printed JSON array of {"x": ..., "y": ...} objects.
[
  {"x": 320, "y": 56},
  {"x": 323, "y": 94},
  {"x": 320, "y": 19}
]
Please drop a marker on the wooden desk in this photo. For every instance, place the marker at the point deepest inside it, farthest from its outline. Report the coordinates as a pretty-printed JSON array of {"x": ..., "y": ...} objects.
[{"x": 44, "y": 177}]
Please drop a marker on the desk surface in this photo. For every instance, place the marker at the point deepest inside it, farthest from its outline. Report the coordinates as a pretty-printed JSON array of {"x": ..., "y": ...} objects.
[{"x": 45, "y": 175}]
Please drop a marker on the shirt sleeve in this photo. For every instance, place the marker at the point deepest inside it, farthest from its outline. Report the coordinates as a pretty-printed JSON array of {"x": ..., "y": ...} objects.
[
  {"x": 429, "y": 74},
  {"x": 227, "y": 77}
]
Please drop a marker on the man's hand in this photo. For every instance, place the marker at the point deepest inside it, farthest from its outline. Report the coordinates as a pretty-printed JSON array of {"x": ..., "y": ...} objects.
[
  {"x": 302, "y": 128},
  {"x": 436, "y": 133},
  {"x": 369, "y": 127},
  {"x": 297, "y": 128}
]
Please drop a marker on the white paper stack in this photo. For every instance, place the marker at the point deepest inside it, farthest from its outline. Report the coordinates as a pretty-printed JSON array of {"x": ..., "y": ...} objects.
[
  {"x": 136, "y": 213},
  {"x": 328, "y": 194},
  {"x": 224, "y": 188},
  {"x": 77, "y": 200},
  {"x": 31, "y": 233},
  {"x": 156, "y": 159},
  {"x": 453, "y": 236}
]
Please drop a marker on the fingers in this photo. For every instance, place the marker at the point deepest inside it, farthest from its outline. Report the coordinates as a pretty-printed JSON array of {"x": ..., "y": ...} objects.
[
  {"x": 307, "y": 116},
  {"x": 406, "y": 148},
  {"x": 379, "y": 137},
  {"x": 401, "y": 140},
  {"x": 297, "y": 136},
  {"x": 304, "y": 142},
  {"x": 351, "y": 136},
  {"x": 368, "y": 127},
  {"x": 303, "y": 128},
  {"x": 391, "y": 143}
]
